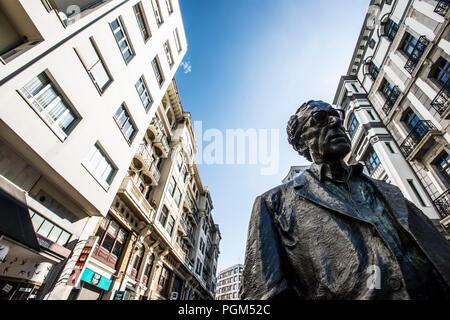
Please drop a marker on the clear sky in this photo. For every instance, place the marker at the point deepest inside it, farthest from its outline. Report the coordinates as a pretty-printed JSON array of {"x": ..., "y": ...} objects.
[{"x": 250, "y": 64}]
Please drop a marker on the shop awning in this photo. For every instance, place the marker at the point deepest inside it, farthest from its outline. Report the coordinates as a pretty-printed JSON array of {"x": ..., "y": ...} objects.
[{"x": 15, "y": 220}]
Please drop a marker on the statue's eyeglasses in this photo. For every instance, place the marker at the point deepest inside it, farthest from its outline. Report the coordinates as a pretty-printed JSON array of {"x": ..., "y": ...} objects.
[{"x": 321, "y": 117}]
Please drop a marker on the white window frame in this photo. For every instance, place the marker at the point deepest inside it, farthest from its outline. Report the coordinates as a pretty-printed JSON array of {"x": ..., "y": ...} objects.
[
  {"x": 176, "y": 37},
  {"x": 101, "y": 158},
  {"x": 126, "y": 38},
  {"x": 44, "y": 112},
  {"x": 168, "y": 52},
  {"x": 157, "y": 12},
  {"x": 145, "y": 91},
  {"x": 128, "y": 119}
]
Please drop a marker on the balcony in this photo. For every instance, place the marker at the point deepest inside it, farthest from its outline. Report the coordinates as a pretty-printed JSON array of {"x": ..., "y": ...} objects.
[
  {"x": 378, "y": 172},
  {"x": 418, "y": 139},
  {"x": 131, "y": 195},
  {"x": 391, "y": 97},
  {"x": 442, "y": 7},
  {"x": 443, "y": 204},
  {"x": 193, "y": 216},
  {"x": 441, "y": 102},
  {"x": 143, "y": 158},
  {"x": 416, "y": 53},
  {"x": 162, "y": 147},
  {"x": 190, "y": 240},
  {"x": 154, "y": 130},
  {"x": 188, "y": 202},
  {"x": 17, "y": 31},
  {"x": 182, "y": 227},
  {"x": 69, "y": 11}
]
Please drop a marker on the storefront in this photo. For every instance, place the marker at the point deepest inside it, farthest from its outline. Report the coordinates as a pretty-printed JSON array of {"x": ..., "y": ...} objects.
[{"x": 92, "y": 286}]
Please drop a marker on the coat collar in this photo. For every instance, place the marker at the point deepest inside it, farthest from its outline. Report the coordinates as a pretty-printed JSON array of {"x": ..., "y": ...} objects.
[{"x": 309, "y": 186}]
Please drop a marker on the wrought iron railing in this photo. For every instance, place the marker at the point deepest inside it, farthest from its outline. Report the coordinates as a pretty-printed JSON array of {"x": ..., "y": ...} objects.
[
  {"x": 441, "y": 102},
  {"x": 442, "y": 7},
  {"x": 416, "y": 53},
  {"x": 443, "y": 204},
  {"x": 391, "y": 98},
  {"x": 416, "y": 135}
]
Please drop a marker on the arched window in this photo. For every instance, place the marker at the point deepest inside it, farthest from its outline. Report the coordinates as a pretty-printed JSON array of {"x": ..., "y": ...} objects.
[{"x": 390, "y": 29}]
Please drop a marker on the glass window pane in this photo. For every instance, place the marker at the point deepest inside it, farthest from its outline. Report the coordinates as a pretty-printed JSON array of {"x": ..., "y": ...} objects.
[
  {"x": 45, "y": 228},
  {"x": 55, "y": 233},
  {"x": 63, "y": 238},
  {"x": 37, "y": 221},
  {"x": 108, "y": 242},
  {"x": 113, "y": 228}
]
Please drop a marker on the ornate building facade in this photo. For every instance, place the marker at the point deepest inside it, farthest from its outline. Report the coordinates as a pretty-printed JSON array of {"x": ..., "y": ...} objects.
[{"x": 396, "y": 98}]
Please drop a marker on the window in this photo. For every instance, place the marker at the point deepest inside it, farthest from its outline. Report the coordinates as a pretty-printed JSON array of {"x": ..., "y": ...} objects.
[
  {"x": 371, "y": 160},
  {"x": 373, "y": 70},
  {"x": 163, "y": 283},
  {"x": 390, "y": 92},
  {"x": 170, "y": 224},
  {"x": 390, "y": 29},
  {"x": 138, "y": 259},
  {"x": 177, "y": 196},
  {"x": 352, "y": 125},
  {"x": 441, "y": 71},
  {"x": 176, "y": 36},
  {"x": 99, "y": 165},
  {"x": 122, "y": 39},
  {"x": 112, "y": 236},
  {"x": 412, "y": 47},
  {"x": 370, "y": 115},
  {"x": 95, "y": 66},
  {"x": 125, "y": 123},
  {"x": 388, "y": 145},
  {"x": 414, "y": 124},
  {"x": 163, "y": 215},
  {"x": 169, "y": 6},
  {"x": 144, "y": 93},
  {"x": 142, "y": 21},
  {"x": 179, "y": 161},
  {"x": 157, "y": 12},
  {"x": 198, "y": 268},
  {"x": 202, "y": 246},
  {"x": 157, "y": 70},
  {"x": 355, "y": 89},
  {"x": 442, "y": 164},
  {"x": 48, "y": 229},
  {"x": 168, "y": 52},
  {"x": 47, "y": 101},
  {"x": 416, "y": 192},
  {"x": 172, "y": 186}
]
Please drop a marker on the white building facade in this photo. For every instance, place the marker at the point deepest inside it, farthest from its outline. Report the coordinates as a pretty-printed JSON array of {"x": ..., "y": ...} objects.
[
  {"x": 229, "y": 282},
  {"x": 79, "y": 83},
  {"x": 396, "y": 99}
]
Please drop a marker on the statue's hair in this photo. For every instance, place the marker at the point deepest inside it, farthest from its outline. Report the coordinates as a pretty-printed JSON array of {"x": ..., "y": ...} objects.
[{"x": 294, "y": 131}]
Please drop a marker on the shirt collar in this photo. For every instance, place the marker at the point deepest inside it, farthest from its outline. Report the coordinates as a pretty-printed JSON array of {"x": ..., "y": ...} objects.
[{"x": 320, "y": 172}]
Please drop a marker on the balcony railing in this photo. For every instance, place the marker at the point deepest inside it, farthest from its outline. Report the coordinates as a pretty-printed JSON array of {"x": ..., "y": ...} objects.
[
  {"x": 378, "y": 172},
  {"x": 145, "y": 155},
  {"x": 441, "y": 102},
  {"x": 442, "y": 7},
  {"x": 154, "y": 171},
  {"x": 134, "y": 198},
  {"x": 416, "y": 53},
  {"x": 156, "y": 128},
  {"x": 443, "y": 204},
  {"x": 391, "y": 98},
  {"x": 416, "y": 135},
  {"x": 70, "y": 12}
]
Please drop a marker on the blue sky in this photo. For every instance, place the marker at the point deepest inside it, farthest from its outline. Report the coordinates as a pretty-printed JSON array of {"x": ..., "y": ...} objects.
[{"x": 253, "y": 62}]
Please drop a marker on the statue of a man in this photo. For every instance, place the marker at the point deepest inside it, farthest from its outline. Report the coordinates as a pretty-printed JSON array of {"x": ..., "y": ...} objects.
[{"x": 335, "y": 233}]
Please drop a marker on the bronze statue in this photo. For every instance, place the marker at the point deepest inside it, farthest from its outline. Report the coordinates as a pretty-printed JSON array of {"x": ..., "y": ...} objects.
[{"x": 335, "y": 233}]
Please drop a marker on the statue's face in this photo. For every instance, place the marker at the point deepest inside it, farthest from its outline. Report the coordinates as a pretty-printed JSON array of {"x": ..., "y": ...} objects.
[{"x": 323, "y": 133}]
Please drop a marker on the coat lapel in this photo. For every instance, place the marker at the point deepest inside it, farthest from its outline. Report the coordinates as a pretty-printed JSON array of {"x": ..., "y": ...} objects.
[{"x": 309, "y": 188}]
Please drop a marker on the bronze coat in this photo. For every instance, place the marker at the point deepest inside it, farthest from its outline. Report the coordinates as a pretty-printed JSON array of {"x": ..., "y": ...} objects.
[{"x": 305, "y": 243}]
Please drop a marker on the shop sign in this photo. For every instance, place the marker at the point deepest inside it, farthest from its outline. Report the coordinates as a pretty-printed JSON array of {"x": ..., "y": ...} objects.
[
  {"x": 96, "y": 279},
  {"x": 85, "y": 254},
  {"x": 119, "y": 295}
]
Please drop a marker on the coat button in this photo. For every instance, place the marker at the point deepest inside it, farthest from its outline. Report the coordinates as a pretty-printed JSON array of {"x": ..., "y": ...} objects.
[{"x": 395, "y": 283}]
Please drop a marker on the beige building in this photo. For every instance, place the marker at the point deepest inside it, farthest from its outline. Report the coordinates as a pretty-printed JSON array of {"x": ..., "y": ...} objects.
[
  {"x": 80, "y": 81},
  {"x": 396, "y": 98},
  {"x": 168, "y": 244}
]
